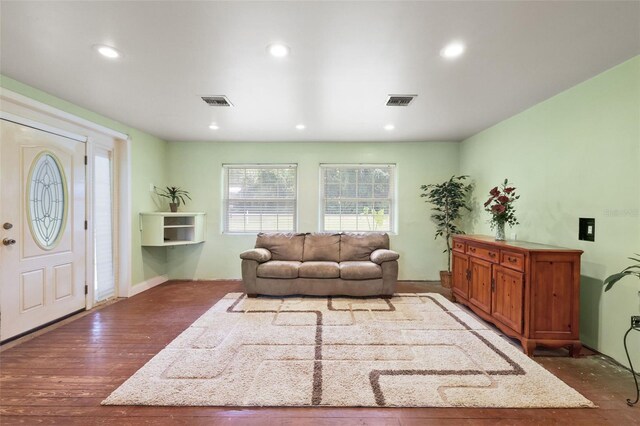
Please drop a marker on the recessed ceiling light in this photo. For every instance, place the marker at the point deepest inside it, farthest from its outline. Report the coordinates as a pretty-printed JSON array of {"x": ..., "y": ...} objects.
[
  {"x": 278, "y": 50},
  {"x": 107, "y": 51},
  {"x": 389, "y": 127},
  {"x": 452, "y": 50},
  {"x": 213, "y": 126},
  {"x": 301, "y": 126}
]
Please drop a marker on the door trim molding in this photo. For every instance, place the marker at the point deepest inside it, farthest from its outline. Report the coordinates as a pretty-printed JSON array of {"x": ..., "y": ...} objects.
[
  {"x": 48, "y": 109},
  {"x": 41, "y": 126}
]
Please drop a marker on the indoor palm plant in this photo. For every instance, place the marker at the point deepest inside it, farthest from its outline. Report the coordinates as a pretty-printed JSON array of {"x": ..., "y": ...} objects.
[
  {"x": 174, "y": 194},
  {"x": 631, "y": 270},
  {"x": 449, "y": 198},
  {"x": 500, "y": 206}
]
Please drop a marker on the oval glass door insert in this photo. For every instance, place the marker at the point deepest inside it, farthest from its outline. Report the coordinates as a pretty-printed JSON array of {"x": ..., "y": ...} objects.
[{"x": 47, "y": 198}]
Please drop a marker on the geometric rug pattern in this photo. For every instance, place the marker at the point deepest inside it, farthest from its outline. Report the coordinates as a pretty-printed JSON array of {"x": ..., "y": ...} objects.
[{"x": 409, "y": 350}]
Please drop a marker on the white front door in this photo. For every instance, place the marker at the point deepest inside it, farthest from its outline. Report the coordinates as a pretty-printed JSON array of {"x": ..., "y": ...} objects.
[{"x": 42, "y": 216}]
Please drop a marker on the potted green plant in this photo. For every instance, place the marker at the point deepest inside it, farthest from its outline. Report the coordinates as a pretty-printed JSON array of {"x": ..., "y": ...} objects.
[
  {"x": 449, "y": 198},
  {"x": 500, "y": 206},
  {"x": 174, "y": 194},
  {"x": 633, "y": 270}
]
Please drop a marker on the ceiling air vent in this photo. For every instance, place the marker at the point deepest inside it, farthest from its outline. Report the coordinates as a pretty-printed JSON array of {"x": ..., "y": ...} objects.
[
  {"x": 400, "y": 100},
  {"x": 221, "y": 101}
]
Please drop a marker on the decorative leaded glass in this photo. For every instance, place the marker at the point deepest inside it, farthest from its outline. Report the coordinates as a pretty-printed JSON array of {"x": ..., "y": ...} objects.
[{"x": 47, "y": 200}]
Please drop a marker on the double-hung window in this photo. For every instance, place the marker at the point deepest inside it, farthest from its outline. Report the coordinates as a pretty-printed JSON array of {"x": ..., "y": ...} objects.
[
  {"x": 260, "y": 197},
  {"x": 357, "y": 197}
]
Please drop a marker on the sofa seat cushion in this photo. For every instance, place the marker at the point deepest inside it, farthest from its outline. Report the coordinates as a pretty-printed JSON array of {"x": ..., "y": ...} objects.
[
  {"x": 360, "y": 270},
  {"x": 319, "y": 270},
  {"x": 278, "y": 269}
]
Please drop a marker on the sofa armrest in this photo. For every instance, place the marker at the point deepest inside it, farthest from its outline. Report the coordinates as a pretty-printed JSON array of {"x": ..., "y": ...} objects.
[
  {"x": 260, "y": 255},
  {"x": 381, "y": 255}
]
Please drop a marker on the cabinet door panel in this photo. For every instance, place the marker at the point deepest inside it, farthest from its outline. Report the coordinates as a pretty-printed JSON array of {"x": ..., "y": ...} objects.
[
  {"x": 556, "y": 291},
  {"x": 459, "y": 275},
  {"x": 480, "y": 290},
  {"x": 508, "y": 297}
]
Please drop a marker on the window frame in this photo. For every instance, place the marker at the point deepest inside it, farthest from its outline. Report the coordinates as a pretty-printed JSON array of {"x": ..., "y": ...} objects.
[
  {"x": 393, "y": 192},
  {"x": 225, "y": 194}
]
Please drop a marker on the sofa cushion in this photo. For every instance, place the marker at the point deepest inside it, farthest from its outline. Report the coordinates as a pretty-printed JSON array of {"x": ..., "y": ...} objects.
[
  {"x": 313, "y": 269},
  {"x": 321, "y": 247},
  {"x": 360, "y": 246},
  {"x": 359, "y": 270},
  {"x": 282, "y": 246},
  {"x": 278, "y": 269}
]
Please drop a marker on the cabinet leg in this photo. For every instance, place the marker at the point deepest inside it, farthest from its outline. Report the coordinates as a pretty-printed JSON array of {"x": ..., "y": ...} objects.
[
  {"x": 529, "y": 347},
  {"x": 575, "y": 349}
]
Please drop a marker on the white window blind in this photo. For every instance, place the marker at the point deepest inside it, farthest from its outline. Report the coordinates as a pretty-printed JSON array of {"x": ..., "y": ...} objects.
[
  {"x": 357, "y": 197},
  {"x": 104, "y": 276},
  {"x": 260, "y": 198}
]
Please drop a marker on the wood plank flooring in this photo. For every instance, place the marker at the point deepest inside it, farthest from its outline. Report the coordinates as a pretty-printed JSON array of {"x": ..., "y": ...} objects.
[{"x": 60, "y": 376}]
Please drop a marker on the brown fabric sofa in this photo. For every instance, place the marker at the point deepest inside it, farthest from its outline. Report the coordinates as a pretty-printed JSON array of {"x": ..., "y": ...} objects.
[{"x": 321, "y": 264}]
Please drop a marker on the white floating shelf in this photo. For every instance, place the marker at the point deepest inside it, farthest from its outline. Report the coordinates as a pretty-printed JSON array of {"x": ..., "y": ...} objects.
[{"x": 162, "y": 229}]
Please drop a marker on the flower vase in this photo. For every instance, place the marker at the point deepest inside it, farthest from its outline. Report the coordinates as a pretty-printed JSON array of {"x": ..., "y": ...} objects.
[{"x": 500, "y": 235}]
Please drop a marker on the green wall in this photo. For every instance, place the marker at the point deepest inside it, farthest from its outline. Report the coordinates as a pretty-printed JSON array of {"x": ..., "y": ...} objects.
[
  {"x": 575, "y": 155},
  {"x": 197, "y": 167},
  {"x": 148, "y": 159}
]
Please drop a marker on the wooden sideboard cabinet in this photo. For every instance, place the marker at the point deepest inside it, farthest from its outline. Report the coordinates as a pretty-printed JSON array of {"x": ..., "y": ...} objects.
[{"x": 529, "y": 291}]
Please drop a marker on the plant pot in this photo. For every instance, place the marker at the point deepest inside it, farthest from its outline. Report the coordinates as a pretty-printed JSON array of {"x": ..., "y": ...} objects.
[
  {"x": 445, "y": 279},
  {"x": 173, "y": 207}
]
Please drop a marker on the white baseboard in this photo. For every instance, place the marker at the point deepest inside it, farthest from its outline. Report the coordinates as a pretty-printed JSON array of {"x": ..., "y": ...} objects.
[{"x": 147, "y": 284}]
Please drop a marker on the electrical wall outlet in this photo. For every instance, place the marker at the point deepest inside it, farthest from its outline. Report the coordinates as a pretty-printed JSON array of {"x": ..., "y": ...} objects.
[
  {"x": 587, "y": 229},
  {"x": 151, "y": 187},
  {"x": 635, "y": 321}
]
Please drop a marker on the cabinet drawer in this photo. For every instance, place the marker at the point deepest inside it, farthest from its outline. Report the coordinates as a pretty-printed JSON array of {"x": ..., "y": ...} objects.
[
  {"x": 512, "y": 260},
  {"x": 483, "y": 253},
  {"x": 458, "y": 246}
]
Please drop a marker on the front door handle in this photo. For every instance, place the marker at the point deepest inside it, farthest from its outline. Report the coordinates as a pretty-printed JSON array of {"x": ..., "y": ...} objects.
[{"x": 8, "y": 241}]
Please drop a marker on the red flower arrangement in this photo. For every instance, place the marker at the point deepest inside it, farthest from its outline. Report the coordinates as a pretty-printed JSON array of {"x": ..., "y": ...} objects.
[{"x": 500, "y": 205}]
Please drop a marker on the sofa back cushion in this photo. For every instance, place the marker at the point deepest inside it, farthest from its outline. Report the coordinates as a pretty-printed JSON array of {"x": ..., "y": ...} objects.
[
  {"x": 358, "y": 247},
  {"x": 321, "y": 247},
  {"x": 282, "y": 246}
]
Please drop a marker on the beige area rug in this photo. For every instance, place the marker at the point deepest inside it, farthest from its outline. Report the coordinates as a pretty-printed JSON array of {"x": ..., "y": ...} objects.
[{"x": 412, "y": 350}]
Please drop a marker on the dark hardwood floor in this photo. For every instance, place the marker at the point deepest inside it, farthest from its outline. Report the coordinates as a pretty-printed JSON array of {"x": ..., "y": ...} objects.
[{"x": 61, "y": 376}]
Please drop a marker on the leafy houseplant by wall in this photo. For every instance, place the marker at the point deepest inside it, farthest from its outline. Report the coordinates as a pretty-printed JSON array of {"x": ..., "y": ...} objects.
[
  {"x": 175, "y": 196},
  {"x": 631, "y": 270},
  {"x": 448, "y": 199},
  {"x": 500, "y": 205}
]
